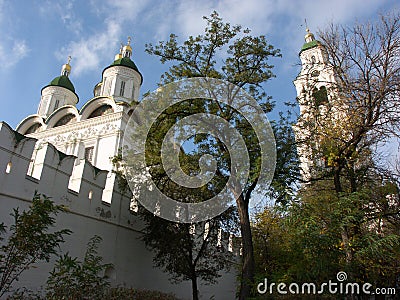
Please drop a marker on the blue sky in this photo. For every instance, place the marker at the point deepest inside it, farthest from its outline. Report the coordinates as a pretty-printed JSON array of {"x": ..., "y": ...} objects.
[{"x": 36, "y": 38}]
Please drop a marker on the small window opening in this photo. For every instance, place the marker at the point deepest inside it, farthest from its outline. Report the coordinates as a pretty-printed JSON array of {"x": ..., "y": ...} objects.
[
  {"x": 8, "y": 168},
  {"x": 219, "y": 238},
  {"x": 90, "y": 195},
  {"x": 56, "y": 104},
  {"x": 89, "y": 154},
  {"x": 110, "y": 273},
  {"x": 320, "y": 96},
  {"x": 122, "y": 89},
  {"x": 230, "y": 243},
  {"x": 313, "y": 60}
]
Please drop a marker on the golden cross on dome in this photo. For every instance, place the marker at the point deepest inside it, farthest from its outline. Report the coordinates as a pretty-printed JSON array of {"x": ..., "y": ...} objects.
[
  {"x": 69, "y": 59},
  {"x": 305, "y": 22},
  {"x": 129, "y": 40}
]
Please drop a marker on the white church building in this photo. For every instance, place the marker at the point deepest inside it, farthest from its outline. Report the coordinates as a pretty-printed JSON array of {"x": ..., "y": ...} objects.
[{"x": 93, "y": 133}]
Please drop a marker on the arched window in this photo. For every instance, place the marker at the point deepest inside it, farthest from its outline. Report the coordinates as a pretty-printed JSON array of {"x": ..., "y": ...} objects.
[
  {"x": 102, "y": 110},
  {"x": 8, "y": 168},
  {"x": 315, "y": 73},
  {"x": 320, "y": 96},
  {"x": 313, "y": 60},
  {"x": 34, "y": 128},
  {"x": 110, "y": 273},
  {"x": 65, "y": 120}
]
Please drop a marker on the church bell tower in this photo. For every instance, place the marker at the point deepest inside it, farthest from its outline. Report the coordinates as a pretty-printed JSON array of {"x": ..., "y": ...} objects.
[{"x": 317, "y": 95}]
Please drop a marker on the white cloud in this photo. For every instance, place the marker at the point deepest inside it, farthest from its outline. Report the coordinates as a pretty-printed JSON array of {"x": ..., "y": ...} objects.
[
  {"x": 255, "y": 14},
  {"x": 119, "y": 11},
  {"x": 65, "y": 12},
  {"x": 279, "y": 18},
  {"x": 87, "y": 53},
  {"x": 189, "y": 19},
  {"x": 126, "y": 10},
  {"x": 186, "y": 18},
  {"x": 8, "y": 44},
  {"x": 262, "y": 16},
  {"x": 19, "y": 50}
]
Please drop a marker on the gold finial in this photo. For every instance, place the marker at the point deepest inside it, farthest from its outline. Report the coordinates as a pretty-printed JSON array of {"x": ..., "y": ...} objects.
[
  {"x": 119, "y": 55},
  {"x": 127, "y": 49},
  {"x": 309, "y": 36},
  {"x": 128, "y": 45},
  {"x": 66, "y": 68}
]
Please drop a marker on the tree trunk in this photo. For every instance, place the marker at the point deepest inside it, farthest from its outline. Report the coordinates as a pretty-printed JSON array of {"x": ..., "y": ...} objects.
[
  {"x": 336, "y": 180},
  {"x": 346, "y": 246},
  {"x": 195, "y": 292},
  {"x": 248, "y": 265}
]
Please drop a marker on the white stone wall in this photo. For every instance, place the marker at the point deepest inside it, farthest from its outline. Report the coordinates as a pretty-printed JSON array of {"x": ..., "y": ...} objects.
[
  {"x": 114, "y": 222},
  {"x": 53, "y": 94},
  {"x": 103, "y": 133},
  {"x": 112, "y": 78}
]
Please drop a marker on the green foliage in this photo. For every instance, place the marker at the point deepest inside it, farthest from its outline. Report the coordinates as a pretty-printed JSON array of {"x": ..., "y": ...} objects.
[
  {"x": 284, "y": 184},
  {"x": 246, "y": 64},
  {"x": 190, "y": 251},
  {"x": 29, "y": 240},
  {"x": 121, "y": 293},
  {"x": 74, "y": 279},
  {"x": 120, "y": 175},
  {"x": 271, "y": 244},
  {"x": 310, "y": 241}
]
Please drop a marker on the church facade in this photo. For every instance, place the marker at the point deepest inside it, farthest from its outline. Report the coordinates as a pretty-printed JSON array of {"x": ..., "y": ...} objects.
[{"x": 93, "y": 133}]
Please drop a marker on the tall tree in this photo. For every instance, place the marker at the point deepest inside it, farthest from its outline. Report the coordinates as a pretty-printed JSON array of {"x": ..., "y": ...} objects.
[
  {"x": 232, "y": 54},
  {"x": 185, "y": 251}
]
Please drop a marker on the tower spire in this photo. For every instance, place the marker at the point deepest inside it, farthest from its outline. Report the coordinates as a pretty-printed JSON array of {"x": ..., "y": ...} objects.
[
  {"x": 127, "y": 49},
  {"x": 309, "y": 37}
]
